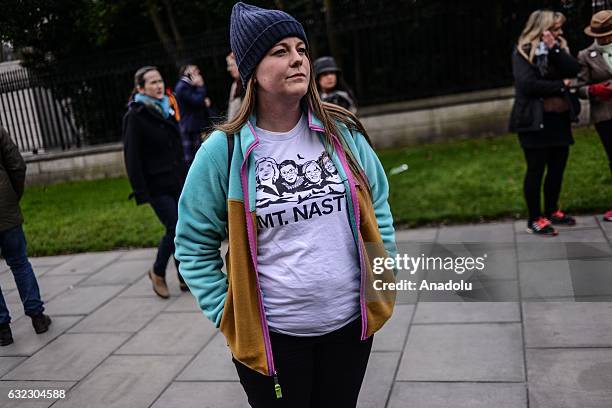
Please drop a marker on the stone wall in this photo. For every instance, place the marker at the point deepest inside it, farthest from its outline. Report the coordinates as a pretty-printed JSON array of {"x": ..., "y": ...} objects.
[{"x": 89, "y": 163}]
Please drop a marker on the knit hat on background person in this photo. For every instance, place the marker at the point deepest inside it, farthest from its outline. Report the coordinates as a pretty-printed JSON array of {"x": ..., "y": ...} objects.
[
  {"x": 254, "y": 30},
  {"x": 325, "y": 64}
]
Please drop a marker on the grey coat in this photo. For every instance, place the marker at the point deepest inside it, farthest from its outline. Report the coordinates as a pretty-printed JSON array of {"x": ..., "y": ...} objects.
[
  {"x": 594, "y": 70},
  {"x": 12, "y": 181}
]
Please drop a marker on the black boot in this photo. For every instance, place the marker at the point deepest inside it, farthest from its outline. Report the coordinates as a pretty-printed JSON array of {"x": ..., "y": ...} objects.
[
  {"x": 6, "y": 336},
  {"x": 41, "y": 323}
]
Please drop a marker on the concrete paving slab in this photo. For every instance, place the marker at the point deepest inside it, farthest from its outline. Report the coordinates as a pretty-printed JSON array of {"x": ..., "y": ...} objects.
[
  {"x": 466, "y": 312},
  {"x": 49, "y": 260},
  {"x": 171, "y": 334},
  {"x": 183, "y": 303},
  {"x": 213, "y": 363},
  {"x": 15, "y": 308},
  {"x": 8, "y": 363},
  {"x": 490, "y": 232},
  {"x": 393, "y": 334},
  {"x": 119, "y": 272},
  {"x": 141, "y": 253},
  {"x": 474, "y": 352},
  {"x": 203, "y": 395},
  {"x": 570, "y": 244},
  {"x": 50, "y": 287},
  {"x": 27, "y": 342},
  {"x": 483, "y": 290},
  {"x": 416, "y": 235},
  {"x": 7, "y": 280},
  {"x": 35, "y": 386},
  {"x": 570, "y": 378},
  {"x": 568, "y": 324},
  {"x": 69, "y": 358},
  {"x": 566, "y": 278},
  {"x": 130, "y": 382},
  {"x": 378, "y": 379},
  {"x": 121, "y": 315},
  {"x": 606, "y": 226},
  {"x": 82, "y": 300},
  {"x": 84, "y": 264},
  {"x": 458, "y": 395}
]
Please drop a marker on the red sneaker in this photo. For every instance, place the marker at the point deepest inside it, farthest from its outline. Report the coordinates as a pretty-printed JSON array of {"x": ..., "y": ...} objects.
[
  {"x": 608, "y": 216},
  {"x": 561, "y": 218},
  {"x": 541, "y": 227}
]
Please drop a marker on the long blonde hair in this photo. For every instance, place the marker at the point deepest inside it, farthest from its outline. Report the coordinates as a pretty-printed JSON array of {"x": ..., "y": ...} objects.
[
  {"x": 328, "y": 113},
  {"x": 538, "y": 22}
]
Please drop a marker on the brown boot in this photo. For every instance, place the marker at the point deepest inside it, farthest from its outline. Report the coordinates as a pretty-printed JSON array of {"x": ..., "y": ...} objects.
[{"x": 159, "y": 285}]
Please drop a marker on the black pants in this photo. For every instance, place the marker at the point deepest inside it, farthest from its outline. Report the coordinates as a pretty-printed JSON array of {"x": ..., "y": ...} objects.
[
  {"x": 552, "y": 160},
  {"x": 604, "y": 129},
  {"x": 166, "y": 209},
  {"x": 322, "y": 371}
]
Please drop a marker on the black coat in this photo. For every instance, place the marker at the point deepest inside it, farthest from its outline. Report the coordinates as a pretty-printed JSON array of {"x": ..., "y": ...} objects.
[
  {"x": 12, "y": 181},
  {"x": 153, "y": 153},
  {"x": 531, "y": 89}
]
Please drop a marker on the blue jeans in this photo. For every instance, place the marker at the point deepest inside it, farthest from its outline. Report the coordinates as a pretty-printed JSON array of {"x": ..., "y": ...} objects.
[
  {"x": 13, "y": 249},
  {"x": 166, "y": 209}
]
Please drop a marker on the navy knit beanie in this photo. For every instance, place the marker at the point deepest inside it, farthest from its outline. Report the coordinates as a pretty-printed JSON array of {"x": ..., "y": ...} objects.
[{"x": 253, "y": 31}]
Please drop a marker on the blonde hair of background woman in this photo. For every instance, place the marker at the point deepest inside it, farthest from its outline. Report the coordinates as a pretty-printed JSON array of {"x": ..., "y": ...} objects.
[
  {"x": 326, "y": 112},
  {"x": 538, "y": 22}
]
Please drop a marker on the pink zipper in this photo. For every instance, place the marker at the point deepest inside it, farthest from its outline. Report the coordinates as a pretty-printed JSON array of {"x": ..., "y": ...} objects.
[
  {"x": 253, "y": 248},
  {"x": 353, "y": 192}
]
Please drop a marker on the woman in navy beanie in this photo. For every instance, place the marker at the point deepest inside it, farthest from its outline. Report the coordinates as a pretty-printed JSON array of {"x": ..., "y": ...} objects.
[{"x": 303, "y": 294}]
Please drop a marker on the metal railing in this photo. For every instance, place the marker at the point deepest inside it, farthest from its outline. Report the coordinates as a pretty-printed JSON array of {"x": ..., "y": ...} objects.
[{"x": 388, "y": 51}]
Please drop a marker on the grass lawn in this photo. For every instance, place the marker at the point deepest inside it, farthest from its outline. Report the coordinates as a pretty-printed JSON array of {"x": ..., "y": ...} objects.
[{"x": 462, "y": 181}]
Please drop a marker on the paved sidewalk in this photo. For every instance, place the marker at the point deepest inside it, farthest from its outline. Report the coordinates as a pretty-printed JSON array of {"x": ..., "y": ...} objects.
[{"x": 543, "y": 338}]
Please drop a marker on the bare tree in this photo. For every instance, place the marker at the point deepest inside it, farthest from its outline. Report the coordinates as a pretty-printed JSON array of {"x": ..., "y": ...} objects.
[{"x": 172, "y": 43}]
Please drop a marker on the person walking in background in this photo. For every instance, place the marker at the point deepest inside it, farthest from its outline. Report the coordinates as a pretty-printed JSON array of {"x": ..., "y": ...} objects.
[
  {"x": 595, "y": 80},
  {"x": 154, "y": 162},
  {"x": 331, "y": 85},
  {"x": 236, "y": 90},
  {"x": 13, "y": 241},
  {"x": 293, "y": 305},
  {"x": 194, "y": 105},
  {"x": 542, "y": 114}
]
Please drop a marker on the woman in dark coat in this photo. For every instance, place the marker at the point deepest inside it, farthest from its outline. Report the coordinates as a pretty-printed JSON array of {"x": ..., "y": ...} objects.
[
  {"x": 543, "y": 110},
  {"x": 154, "y": 163}
]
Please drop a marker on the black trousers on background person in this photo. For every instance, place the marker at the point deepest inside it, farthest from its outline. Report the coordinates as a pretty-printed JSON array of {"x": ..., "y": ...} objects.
[
  {"x": 166, "y": 209},
  {"x": 552, "y": 160},
  {"x": 604, "y": 129},
  {"x": 322, "y": 371}
]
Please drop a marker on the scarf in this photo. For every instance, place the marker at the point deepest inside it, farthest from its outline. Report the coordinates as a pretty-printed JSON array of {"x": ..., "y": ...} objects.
[{"x": 159, "y": 105}]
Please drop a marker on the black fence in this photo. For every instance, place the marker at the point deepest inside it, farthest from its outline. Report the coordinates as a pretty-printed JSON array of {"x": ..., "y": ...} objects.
[{"x": 388, "y": 51}]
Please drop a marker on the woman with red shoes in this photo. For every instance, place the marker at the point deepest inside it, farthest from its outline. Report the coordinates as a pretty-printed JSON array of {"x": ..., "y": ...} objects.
[
  {"x": 542, "y": 114},
  {"x": 595, "y": 80}
]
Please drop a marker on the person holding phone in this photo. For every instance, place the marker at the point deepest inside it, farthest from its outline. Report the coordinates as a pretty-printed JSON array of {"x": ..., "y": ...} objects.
[
  {"x": 194, "y": 105},
  {"x": 595, "y": 80},
  {"x": 543, "y": 110}
]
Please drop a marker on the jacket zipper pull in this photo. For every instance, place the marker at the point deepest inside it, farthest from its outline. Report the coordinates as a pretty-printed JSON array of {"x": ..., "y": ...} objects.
[{"x": 277, "y": 388}]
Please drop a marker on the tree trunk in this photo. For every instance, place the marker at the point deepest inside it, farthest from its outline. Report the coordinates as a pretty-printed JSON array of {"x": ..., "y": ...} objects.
[
  {"x": 178, "y": 40},
  {"x": 165, "y": 39},
  {"x": 331, "y": 35}
]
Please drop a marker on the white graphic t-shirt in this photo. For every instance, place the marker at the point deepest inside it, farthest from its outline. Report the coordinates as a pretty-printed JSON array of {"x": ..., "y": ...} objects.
[{"x": 306, "y": 257}]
